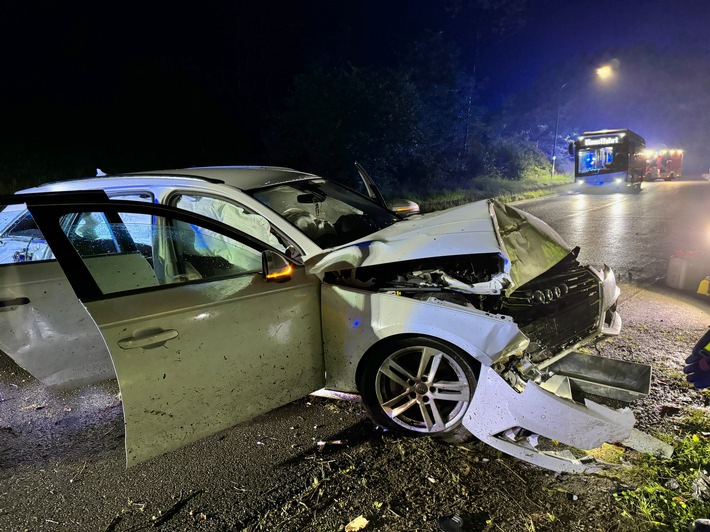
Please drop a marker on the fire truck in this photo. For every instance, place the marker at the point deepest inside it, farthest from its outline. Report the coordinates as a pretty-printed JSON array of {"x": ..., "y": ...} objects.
[{"x": 664, "y": 164}]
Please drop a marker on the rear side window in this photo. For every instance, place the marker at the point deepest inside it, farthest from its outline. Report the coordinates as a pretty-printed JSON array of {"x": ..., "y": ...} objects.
[
  {"x": 20, "y": 238},
  {"x": 24, "y": 226}
]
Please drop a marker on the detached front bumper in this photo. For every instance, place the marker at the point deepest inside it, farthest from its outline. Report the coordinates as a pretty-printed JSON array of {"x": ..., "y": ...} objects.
[{"x": 512, "y": 421}]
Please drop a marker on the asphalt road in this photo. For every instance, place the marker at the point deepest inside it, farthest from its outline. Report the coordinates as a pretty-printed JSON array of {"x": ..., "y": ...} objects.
[{"x": 635, "y": 234}]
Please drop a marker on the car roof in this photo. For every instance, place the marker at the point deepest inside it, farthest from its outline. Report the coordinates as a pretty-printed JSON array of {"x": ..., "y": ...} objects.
[{"x": 240, "y": 177}]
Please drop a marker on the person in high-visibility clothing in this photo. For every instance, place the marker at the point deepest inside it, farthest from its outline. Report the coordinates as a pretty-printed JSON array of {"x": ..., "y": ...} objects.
[
  {"x": 697, "y": 371},
  {"x": 697, "y": 365},
  {"x": 704, "y": 286}
]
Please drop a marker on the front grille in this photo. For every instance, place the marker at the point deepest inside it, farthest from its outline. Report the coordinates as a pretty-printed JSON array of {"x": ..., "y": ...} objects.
[{"x": 557, "y": 322}]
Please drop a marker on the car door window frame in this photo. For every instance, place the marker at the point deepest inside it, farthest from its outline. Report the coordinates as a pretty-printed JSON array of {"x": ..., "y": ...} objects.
[
  {"x": 42, "y": 252},
  {"x": 47, "y": 209}
]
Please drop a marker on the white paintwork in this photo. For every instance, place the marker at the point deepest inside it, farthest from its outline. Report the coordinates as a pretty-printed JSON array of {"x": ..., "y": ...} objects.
[
  {"x": 52, "y": 337},
  {"x": 216, "y": 353},
  {"x": 354, "y": 320},
  {"x": 481, "y": 227},
  {"x": 83, "y": 359},
  {"x": 528, "y": 246},
  {"x": 463, "y": 230}
]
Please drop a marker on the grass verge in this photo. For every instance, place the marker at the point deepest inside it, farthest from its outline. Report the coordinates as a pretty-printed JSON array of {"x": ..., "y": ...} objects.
[
  {"x": 490, "y": 187},
  {"x": 664, "y": 493}
]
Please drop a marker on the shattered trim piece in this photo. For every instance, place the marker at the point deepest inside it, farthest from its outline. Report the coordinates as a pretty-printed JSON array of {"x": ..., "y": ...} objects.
[{"x": 497, "y": 410}]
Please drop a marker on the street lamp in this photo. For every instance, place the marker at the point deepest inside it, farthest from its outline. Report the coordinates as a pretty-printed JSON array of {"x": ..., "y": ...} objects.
[
  {"x": 603, "y": 72},
  {"x": 557, "y": 127}
]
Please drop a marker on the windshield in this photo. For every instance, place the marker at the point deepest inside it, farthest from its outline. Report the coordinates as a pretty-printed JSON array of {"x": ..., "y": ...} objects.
[
  {"x": 602, "y": 160},
  {"x": 327, "y": 213}
]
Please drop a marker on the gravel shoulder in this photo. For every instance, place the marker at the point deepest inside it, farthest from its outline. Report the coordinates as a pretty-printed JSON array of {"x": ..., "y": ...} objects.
[{"x": 62, "y": 458}]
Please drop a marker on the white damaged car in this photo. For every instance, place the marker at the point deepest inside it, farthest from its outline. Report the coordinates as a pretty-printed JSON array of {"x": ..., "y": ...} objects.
[{"x": 216, "y": 294}]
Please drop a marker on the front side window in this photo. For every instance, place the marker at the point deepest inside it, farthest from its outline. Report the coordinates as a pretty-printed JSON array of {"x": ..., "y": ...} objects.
[
  {"x": 236, "y": 216},
  {"x": 134, "y": 220}
]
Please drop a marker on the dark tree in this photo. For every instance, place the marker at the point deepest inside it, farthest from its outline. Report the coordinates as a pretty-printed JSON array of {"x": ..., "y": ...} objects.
[{"x": 335, "y": 117}]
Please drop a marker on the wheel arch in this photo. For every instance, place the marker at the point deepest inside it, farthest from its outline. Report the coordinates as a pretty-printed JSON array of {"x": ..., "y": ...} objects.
[
  {"x": 474, "y": 360},
  {"x": 355, "y": 322}
]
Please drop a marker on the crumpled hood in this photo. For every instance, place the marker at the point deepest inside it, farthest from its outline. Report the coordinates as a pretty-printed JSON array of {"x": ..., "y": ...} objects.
[
  {"x": 529, "y": 246},
  {"x": 532, "y": 246}
]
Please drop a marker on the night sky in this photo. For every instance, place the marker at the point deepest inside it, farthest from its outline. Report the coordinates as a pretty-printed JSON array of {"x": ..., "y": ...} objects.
[
  {"x": 122, "y": 84},
  {"x": 557, "y": 31}
]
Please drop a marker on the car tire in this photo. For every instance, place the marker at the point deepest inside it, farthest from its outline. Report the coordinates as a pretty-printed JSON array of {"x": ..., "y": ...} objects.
[{"x": 400, "y": 395}]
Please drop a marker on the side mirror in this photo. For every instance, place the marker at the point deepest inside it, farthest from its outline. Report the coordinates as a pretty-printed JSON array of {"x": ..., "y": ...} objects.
[
  {"x": 276, "y": 267},
  {"x": 570, "y": 148},
  {"x": 404, "y": 207}
]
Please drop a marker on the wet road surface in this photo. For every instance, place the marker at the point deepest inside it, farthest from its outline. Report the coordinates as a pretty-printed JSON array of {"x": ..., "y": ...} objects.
[{"x": 635, "y": 234}]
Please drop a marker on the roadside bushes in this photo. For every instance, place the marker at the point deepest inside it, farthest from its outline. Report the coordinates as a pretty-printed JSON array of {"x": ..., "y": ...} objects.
[
  {"x": 414, "y": 135},
  {"x": 516, "y": 159}
]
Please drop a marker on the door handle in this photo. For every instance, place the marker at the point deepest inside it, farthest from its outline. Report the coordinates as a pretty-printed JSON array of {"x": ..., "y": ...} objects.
[
  {"x": 155, "y": 339},
  {"x": 14, "y": 302}
]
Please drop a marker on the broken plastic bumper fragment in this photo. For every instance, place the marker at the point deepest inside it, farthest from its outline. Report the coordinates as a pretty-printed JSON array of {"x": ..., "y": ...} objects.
[
  {"x": 601, "y": 376},
  {"x": 611, "y": 323},
  {"x": 496, "y": 410}
]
